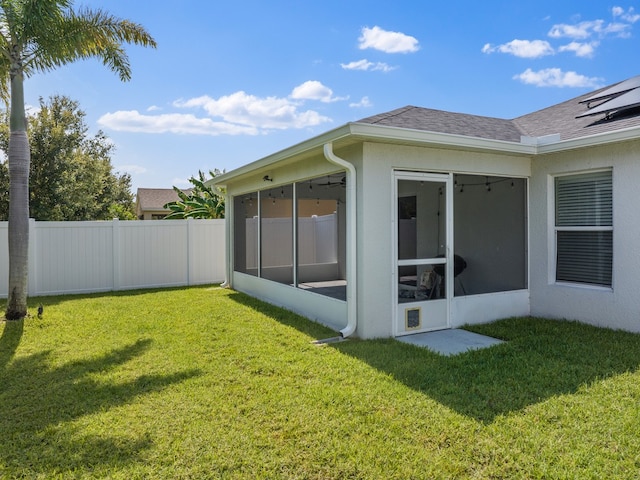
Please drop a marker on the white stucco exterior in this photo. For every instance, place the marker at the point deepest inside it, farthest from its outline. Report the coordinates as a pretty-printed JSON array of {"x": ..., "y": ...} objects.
[
  {"x": 377, "y": 154},
  {"x": 617, "y": 307},
  {"x": 375, "y": 221}
]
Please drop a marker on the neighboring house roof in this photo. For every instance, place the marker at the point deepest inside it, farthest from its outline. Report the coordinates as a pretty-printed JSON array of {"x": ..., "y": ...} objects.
[{"x": 154, "y": 199}]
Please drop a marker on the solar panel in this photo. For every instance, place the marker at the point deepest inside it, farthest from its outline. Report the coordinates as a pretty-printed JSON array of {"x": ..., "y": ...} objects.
[
  {"x": 627, "y": 100},
  {"x": 624, "y": 86}
]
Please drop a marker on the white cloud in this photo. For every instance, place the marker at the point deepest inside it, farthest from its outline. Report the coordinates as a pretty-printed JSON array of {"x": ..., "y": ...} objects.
[
  {"x": 366, "y": 65},
  {"x": 364, "y": 102},
  {"x": 598, "y": 28},
  {"x": 629, "y": 16},
  {"x": 585, "y": 36},
  {"x": 522, "y": 48},
  {"x": 235, "y": 114},
  {"x": 584, "y": 50},
  {"x": 314, "y": 90},
  {"x": 31, "y": 109},
  {"x": 388, "y": 42},
  {"x": 153, "y": 108},
  {"x": 242, "y": 109},
  {"x": 184, "y": 182},
  {"x": 555, "y": 77},
  {"x": 133, "y": 121},
  {"x": 622, "y": 30},
  {"x": 578, "y": 31}
]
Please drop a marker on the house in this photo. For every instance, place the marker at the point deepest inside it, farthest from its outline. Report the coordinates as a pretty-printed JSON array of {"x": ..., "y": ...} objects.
[
  {"x": 417, "y": 219},
  {"x": 150, "y": 202}
]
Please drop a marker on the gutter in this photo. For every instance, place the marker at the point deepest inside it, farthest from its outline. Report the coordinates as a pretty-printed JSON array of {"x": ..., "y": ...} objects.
[{"x": 352, "y": 264}]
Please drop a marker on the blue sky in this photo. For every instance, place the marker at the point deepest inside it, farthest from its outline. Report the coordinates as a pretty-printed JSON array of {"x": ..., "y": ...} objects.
[{"x": 234, "y": 81}]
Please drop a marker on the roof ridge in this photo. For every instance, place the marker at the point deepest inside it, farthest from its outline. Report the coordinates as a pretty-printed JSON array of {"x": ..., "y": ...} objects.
[
  {"x": 393, "y": 113},
  {"x": 519, "y": 127}
]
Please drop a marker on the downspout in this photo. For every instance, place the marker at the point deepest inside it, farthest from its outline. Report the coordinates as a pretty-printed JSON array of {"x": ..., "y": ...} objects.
[
  {"x": 352, "y": 264},
  {"x": 228, "y": 213}
]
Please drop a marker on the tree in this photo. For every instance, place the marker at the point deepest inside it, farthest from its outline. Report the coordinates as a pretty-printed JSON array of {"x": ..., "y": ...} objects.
[
  {"x": 39, "y": 36},
  {"x": 4, "y": 188},
  {"x": 71, "y": 176},
  {"x": 201, "y": 201}
]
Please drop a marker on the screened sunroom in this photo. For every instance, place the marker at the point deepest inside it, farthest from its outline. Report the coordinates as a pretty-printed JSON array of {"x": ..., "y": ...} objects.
[
  {"x": 380, "y": 250},
  {"x": 418, "y": 219},
  {"x": 294, "y": 234}
]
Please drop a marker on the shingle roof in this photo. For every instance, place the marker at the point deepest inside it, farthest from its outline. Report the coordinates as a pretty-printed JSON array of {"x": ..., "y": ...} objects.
[
  {"x": 557, "y": 119},
  {"x": 440, "y": 121},
  {"x": 155, "y": 198},
  {"x": 561, "y": 118}
]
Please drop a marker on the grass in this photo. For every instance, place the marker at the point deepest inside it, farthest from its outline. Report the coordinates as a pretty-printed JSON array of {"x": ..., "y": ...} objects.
[{"x": 209, "y": 383}]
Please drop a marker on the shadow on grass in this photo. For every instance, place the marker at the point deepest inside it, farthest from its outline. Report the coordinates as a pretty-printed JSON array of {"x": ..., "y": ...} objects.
[
  {"x": 40, "y": 402},
  {"x": 541, "y": 359},
  {"x": 52, "y": 300},
  {"x": 283, "y": 316},
  {"x": 9, "y": 341}
]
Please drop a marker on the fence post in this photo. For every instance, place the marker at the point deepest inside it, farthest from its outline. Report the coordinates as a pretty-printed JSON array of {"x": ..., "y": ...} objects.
[
  {"x": 116, "y": 253},
  {"x": 189, "y": 249},
  {"x": 33, "y": 259}
]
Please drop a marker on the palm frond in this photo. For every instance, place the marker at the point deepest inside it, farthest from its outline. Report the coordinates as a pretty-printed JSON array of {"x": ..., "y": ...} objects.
[{"x": 85, "y": 34}]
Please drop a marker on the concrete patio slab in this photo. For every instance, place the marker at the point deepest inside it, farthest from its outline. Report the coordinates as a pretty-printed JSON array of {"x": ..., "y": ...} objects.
[{"x": 450, "y": 342}]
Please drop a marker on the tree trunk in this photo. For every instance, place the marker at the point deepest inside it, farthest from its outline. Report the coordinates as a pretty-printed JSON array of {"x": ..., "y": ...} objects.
[{"x": 19, "y": 158}]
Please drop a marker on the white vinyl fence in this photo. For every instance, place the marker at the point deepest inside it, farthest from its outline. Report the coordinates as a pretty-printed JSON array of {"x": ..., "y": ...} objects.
[
  {"x": 318, "y": 241},
  {"x": 79, "y": 257}
]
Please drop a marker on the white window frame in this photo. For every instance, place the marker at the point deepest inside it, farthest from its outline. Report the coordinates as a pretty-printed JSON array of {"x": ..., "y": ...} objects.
[{"x": 555, "y": 229}]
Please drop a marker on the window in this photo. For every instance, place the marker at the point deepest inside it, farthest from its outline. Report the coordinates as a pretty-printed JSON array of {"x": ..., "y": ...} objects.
[{"x": 584, "y": 228}]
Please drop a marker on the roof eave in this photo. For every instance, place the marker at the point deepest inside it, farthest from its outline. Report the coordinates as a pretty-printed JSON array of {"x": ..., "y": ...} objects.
[
  {"x": 623, "y": 135},
  {"x": 361, "y": 132},
  {"x": 307, "y": 146},
  {"x": 436, "y": 139}
]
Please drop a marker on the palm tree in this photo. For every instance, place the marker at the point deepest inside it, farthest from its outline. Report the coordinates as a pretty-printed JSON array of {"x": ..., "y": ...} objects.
[{"x": 39, "y": 36}]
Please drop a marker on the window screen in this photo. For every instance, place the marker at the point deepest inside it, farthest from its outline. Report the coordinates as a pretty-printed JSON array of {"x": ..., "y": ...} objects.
[{"x": 584, "y": 228}]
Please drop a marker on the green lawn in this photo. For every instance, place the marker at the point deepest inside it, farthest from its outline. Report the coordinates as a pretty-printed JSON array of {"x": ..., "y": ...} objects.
[{"x": 209, "y": 383}]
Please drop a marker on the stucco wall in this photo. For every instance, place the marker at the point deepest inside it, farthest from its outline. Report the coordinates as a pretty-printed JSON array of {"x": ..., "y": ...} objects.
[
  {"x": 376, "y": 292},
  {"x": 616, "y": 307},
  {"x": 326, "y": 310}
]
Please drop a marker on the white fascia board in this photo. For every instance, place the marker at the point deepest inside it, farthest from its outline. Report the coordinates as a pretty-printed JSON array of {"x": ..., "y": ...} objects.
[
  {"x": 446, "y": 140},
  {"x": 623, "y": 135},
  {"x": 315, "y": 143},
  {"x": 378, "y": 133}
]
